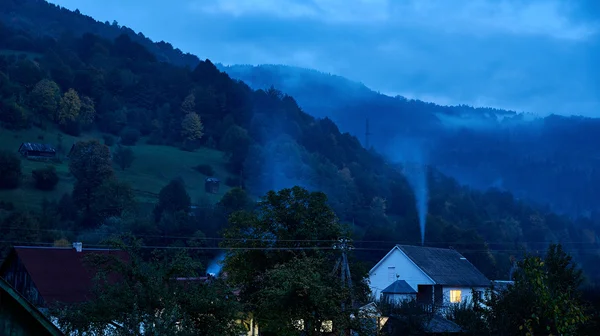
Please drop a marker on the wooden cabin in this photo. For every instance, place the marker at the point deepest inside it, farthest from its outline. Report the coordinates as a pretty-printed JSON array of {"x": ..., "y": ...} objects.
[
  {"x": 37, "y": 151},
  {"x": 211, "y": 185}
]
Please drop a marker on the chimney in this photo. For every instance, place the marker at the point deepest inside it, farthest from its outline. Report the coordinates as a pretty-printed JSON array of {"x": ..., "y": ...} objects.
[{"x": 78, "y": 246}]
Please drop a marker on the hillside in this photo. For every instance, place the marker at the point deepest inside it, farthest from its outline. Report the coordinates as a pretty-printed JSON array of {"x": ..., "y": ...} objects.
[
  {"x": 184, "y": 114},
  {"x": 550, "y": 161},
  {"x": 147, "y": 175}
]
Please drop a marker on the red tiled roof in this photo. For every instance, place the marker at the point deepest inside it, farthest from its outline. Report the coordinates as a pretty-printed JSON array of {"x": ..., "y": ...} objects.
[{"x": 60, "y": 274}]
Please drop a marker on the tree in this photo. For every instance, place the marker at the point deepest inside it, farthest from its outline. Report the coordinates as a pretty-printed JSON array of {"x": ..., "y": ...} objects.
[
  {"x": 544, "y": 299},
  {"x": 45, "y": 178},
  {"x": 189, "y": 104},
  {"x": 290, "y": 233},
  {"x": 10, "y": 170},
  {"x": 87, "y": 113},
  {"x": 191, "y": 127},
  {"x": 124, "y": 157},
  {"x": 236, "y": 143},
  {"x": 44, "y": 98},
  {"x": 91, "y": 166},
  {"x": 69, "y": 107},
  {"x": 172, "y": 198},
  {"x": 150, "y": 298},
  {"x": 234, "y": 200},
  {"x": 114, "y": 198}
]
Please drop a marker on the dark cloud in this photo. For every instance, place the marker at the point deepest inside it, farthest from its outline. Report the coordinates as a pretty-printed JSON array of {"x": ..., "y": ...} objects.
[{"x": 540, "y": 55}]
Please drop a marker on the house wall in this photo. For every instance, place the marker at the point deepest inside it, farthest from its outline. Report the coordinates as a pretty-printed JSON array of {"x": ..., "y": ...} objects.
[
  {"x": 466, "y": 294},
  {"x": 396, "y": 263}
]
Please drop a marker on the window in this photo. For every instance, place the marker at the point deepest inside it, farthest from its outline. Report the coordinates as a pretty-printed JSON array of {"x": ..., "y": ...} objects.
[
  {"x": 392, "y": 274},
  {"x": 455, "y": 296}
]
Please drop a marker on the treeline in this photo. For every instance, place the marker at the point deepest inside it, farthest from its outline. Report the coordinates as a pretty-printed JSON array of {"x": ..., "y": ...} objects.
[{"x": 121, "y": 88}]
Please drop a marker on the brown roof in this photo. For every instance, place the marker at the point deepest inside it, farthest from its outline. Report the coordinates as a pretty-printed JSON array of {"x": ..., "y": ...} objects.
[{"x": 60, "y": 274}]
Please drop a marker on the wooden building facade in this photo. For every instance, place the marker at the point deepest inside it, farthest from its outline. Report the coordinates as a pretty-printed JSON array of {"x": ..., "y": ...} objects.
[{"x": 19, "y": 317}]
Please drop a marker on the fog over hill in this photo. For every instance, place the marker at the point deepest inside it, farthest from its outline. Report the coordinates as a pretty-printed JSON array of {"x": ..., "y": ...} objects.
[{"x": 549, "y": 160}]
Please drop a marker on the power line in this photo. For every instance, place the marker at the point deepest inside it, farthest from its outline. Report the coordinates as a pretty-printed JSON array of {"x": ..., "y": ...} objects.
[{"x": 395, "y": 242}]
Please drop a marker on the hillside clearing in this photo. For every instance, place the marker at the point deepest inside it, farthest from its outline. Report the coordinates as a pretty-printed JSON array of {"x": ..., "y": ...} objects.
[{"x": 154, "y": 166}]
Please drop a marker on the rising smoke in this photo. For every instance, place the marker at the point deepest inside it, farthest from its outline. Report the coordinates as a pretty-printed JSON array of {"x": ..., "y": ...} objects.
[
  {"x": 411, "y": 154},
  {"x": 215, "y": 266}
]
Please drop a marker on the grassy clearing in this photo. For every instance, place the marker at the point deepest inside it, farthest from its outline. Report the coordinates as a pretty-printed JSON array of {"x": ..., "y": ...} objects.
[{"x": 153, "y": 168}]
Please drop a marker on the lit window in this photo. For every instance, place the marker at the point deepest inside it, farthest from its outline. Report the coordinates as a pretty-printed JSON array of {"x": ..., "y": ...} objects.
[{"x": 455, "y": 296}]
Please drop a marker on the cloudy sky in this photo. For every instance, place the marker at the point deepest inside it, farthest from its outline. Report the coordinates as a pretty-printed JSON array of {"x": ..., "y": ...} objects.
[{"x": 539, "y": 56}]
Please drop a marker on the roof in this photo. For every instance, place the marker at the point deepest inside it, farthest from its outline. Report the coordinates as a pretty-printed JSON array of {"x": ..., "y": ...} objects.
[
  {"x": 399, "y": 287},
  {"x": 440, "y": 325},
  {"x": 36, "y": 147},
  {"x": 445, "y": 266},
  {"x": 30, "y": 308},
  {"x": 59, "y": 273},
  {"x": 212, "y": 179}
]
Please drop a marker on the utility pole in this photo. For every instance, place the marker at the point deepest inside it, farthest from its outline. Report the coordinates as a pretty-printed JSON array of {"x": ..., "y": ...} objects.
[
  {"x": 344, "y": 244},
  {"x": 367, "y": 134}
]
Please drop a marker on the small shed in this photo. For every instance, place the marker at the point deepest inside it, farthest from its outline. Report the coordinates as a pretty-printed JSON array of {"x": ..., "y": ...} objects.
[
  {"x": 37, "y": 151},
  {"x": 399, "y": 291},
  {"x": 211, "y": 185}
]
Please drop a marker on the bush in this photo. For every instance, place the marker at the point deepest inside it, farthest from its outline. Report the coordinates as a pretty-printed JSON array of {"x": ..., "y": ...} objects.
[
  {"x": 109, "y": 140},
  {"x": 130, "y": 136},
  {"x": 10, "y": 170},
  {"x": 205, "y": 169},
  {"x": 45, "y": 178}
]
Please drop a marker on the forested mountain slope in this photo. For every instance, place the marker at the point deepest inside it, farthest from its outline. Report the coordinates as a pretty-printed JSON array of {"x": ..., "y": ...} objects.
[
  {"x": 551, "y": 160},
  {"x": 123, "y": 88}
]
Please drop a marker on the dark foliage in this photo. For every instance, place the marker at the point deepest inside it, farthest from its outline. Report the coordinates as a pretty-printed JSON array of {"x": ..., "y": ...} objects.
[
  {"x": 10, "y": 170},
  {"x": 45, "y": 178},
  {"x": 130, "y": 136},
  {"x": 124, "y": 157},
  {"x": 205, "y": 169},
  {"x": 108, "y": 140},
  {"x": 172, "y": 198}
]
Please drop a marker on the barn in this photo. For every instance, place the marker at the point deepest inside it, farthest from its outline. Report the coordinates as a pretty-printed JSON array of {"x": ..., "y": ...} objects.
[
  {"x": 211, "y": 185},
  {"x": 37, "y": 151}
]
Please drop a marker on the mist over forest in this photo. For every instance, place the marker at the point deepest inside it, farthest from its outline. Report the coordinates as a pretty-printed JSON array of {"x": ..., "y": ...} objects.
[{"x": 550, "y": 160}]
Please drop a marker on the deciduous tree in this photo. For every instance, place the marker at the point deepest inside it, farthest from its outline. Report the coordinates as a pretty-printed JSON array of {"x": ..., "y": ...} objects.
[
  {"x": 44, "y": 98},
  {"x": 91, "y": 166},
  {"x": 172, "y": 198},
  {"x": 124, "y": 157},
  {"x": 69, "y": 107},
  {"x": 291, "y": 232},
  {"x": 87, "y": 113},
  {"x": 150, "y": 300}
]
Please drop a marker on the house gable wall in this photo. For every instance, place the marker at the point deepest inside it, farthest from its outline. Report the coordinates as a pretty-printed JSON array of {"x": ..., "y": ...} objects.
[
  {"x": 466, "y": 293},
  {"x": 396, "y": 266}
]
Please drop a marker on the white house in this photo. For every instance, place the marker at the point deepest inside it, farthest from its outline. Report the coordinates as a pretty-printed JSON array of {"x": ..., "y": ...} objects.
[{"x": 439, "y": 276}]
